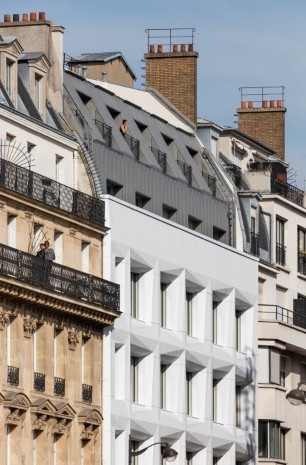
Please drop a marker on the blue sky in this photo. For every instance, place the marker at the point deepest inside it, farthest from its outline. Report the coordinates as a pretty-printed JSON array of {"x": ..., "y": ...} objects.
[{"x": 240, "y": 43}]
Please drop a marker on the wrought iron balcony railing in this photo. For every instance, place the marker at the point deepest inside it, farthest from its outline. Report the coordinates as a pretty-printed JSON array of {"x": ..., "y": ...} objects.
[
  {"x": 280, "y": 254},
  {"x": 211, "y": 182},
  {"x": 105, "y": 131},
  {"x": 59, "y": 386},
  {"x": 35, "y": 186},
  {"x": 86, "y": 393},
  {"x": 133, "y": 144},
  {"x": 161, "y": 158},
  {"x": 254, "y": 244},
  {"x": 295, "y": 317},
  {"x": 235, "y": 173},
  {"x": 50, "y": 275},
  {"x": 12, "y": 376},
  {"x": 288, "y": 191},
  {"x": 302, "y": 262},
  {"x": 186, "y": 170},
  {"x": 39, "y": 382}
]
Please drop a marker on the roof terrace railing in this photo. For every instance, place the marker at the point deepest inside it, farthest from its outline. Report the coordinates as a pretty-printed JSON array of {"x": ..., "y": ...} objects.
[
  {"x": 234, "y": 172},
  {"x": 186, "y": 170},
  {"x": 161, "y": 158},
  {"x": 55, "y": 277},
  {"x": 105, "y": 131},
  {"x": 133, "y": 144},
  {"x": 50, "y": 192},
  {"x": 211, "y": 182},
  {"x": 277, "y": 313},
  {"x": 288, "y": 191}
]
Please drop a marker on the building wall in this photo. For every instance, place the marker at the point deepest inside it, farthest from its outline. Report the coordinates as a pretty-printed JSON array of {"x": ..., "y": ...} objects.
[
  {"x": 116, "y": 72},
  {"x": 160, "y": 251}
]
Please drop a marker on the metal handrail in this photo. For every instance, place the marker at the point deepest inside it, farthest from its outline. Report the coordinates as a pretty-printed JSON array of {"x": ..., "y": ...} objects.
[
  {"x": 288, "y": 191},
  {"x": 161, "y": 158},
  {"x": 278, "y": 313},
  {"x": 211, "y": 182},
  {"x": 12, "y": 376},
  {"x": 39, "y": 382},
  {"x": 48, "y": 191},
  {"x": 133, "y": 144},
  {"x": 280, "y": 254},
  {"x": 105, "y": 131},
  {"x": 87, "y": 393},
  {"x": 254, "y": 244},
  {"x": 186, "y": 170},
  {"x": 59, "y": 386},
  {"x": 302, "y": 262},
  {"x": 50, "y": 275}
]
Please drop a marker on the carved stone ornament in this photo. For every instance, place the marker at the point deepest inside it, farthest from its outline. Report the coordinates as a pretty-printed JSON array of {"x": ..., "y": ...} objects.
[
  {"x": 4, "y": 318},
  {"x": 28, "y": 215},
  {"x": 73, "y": 339},
  {"x": 60, "y": 427},
  {"x": 40, "y": 422},
  {"x": 29, "y": 326},
  {"x": 72, "y": 232},
  {"x": 17, "y": 406},
  {"x": 2, "y": 204},
  {"x": 90, "y": 422}
]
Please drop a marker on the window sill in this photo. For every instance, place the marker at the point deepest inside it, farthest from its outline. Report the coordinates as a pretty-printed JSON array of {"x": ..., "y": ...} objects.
[
  {"x": 283, "y": 268},
  {"x": 272, "y": 386},
  {"x": 269, "y": 460},
  {"x": 301, "y": 276}
]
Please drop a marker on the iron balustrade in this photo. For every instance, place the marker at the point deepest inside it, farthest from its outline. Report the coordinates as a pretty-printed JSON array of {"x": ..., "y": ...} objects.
[
  {"x": 235, "y": 173},
  {"x": 277, "y": 313},
  {"x": 39, "y": 382},
  {"x": 302, "y": 262},
  {"x": 38, "y": 187},
  {"x": 280, "y": 254},
  {"x": 288, "y": 191},
  {"x": 161, "y": 158},
  {"x": 59, "y": 386},
  {"x": 254, "y": 244},
  {"x": 133, "y": 144},
  {"x": 186, "y": 170},
  {"x": 60, "y": 278},
  {"x": 12, "y": 376},
  {"x": 105, "y": 131},
  {"x": 211, "y": 182},
  {"x": 86, "y": 393}
]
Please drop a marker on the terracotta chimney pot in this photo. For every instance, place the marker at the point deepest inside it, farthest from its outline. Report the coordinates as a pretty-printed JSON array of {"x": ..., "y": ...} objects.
[
  {"x": 42, "y": 15},
  {"x": 279, "y": 104},
  {"x": 152, "y": 48},
  {"x": 159, "y": 49},
  {"x": 7, "y": 18},
  {"x": 190, "y": 48},
  {"x": 250, "y": 104},
  {"x": 25, "y": 17},
  {"x": 183, "y": 48},
  {"x": 264, "y": 104},
  {"x": 243, "y": 104},
  {"x": 175, "y": 48},
  {"x": 32, "y": 16},
  {"x": 15, "y": 17},
  {"x": 271, "y": 103}
]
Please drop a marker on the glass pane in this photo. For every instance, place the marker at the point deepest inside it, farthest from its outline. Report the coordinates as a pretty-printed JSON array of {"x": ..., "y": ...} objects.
[{"x": 263, "y": 439}]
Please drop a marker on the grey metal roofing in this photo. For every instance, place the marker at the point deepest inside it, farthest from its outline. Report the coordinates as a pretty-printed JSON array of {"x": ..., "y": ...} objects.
[
  {"x": 119, "y": 165},
  {"x": 27, "y": 101},
  {"x": 6, "y": 95},
  {"x": 30, "y": 56},
  {"x": 102, "y": 57},
  {"x": 7, "y": 40}
]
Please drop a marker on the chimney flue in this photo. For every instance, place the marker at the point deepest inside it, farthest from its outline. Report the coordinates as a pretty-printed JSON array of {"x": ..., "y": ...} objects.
[
  {"x": 159, "y": 49},
  {"x": 42, "y": 16},
  {"x": 33, "y": 16},
  {"x": 152, "y": 48},
  {"x": 175, "y": 48},
  {"x": 15, "y": 17},
  {"x": 7, "y": 18},
  {"x": 183, "y": 48},
  {"x": 104, "y": 76},
  {"x": 25, "y": 17}
]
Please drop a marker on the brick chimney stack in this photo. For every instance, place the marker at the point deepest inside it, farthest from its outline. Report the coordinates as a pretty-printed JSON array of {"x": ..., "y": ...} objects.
[
  {"x": 171, "y": 68},
  {"x": 262, "y": 117}
]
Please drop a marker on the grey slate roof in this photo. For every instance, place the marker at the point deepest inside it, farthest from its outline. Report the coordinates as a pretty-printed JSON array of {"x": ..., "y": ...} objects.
[
  {"x": 143, "y": 175},
  {"x": 103, "y": 57},
  {"x": 30, "y": 56}
]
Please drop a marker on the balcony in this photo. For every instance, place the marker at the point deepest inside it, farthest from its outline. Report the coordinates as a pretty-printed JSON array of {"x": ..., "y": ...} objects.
[
  {"x": 235, "y": 173},
  {"x": 288, "y": 191},
  {"x": 280, "y": 254},
  {"x": 161, "y": 158},
  {"x": 133, "y": 144},
  {"x": 12, "y": 376},
  {"x": 254, "y": 244},
  {"x": 211, "y": 182},
  {"x": 39, "y": 382},
  {"x": 186, "y": 170},
  {"x": 59, "y": 278},
  {"x": 37, "y": 187},
  {"x": 302, "y": 262},
  {"x": 86, "y": 393},
  {"x": 59, "y": 386},
  {"x": 105, "y": 131}
]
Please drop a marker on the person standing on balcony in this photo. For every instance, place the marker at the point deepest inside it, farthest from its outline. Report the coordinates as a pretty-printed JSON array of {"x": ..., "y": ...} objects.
[
  {"x": 49, "y": 252},
  {"x": 124, "y": 127},
  {"x": 41, "y": 251}
]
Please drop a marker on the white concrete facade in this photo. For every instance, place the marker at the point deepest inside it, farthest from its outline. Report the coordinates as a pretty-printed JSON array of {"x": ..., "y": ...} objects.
[{"x": 174, "y": 370}]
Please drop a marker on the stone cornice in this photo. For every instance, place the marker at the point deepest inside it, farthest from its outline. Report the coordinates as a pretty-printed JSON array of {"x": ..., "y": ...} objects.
[{"x": 57, "y": 305}]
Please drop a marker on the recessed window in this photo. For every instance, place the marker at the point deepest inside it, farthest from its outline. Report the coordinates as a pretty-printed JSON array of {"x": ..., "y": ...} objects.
[
  {"x": 142, "y": 127},
  {"x": 189, "y": 313},
  {"x": 9, "y": 76},
  {"x": 85, "y": 98},
  {"x": 167, "y": 139},
  {"x": 163, "y": 304},
  {"x": 238, "y": 406},
  {"x": 10, "y": 137},
  {"x": 163, "y": 385},
  {"x": 135, "y": 277},
  {"x": 141, "y": 200},
  {"x": 192, "y": 152},
  {"x": 169, "y": 212},
  {"x": 134, "y": 378},
  {"x": 218, "y": 234},
  {"x": 114, "y": 113},
  {"x": 271, "y": 439},
  {"x": 189, "y": 376},
  {"x": 280, "y": 242},
  {"x": 113, "y": 188},
  {"x": 38, "y": 91},
  {"x": 194, "y": 223}
]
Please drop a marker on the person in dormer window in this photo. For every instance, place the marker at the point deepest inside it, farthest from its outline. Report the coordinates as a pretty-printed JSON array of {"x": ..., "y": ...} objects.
[{"x": 124, "y": 127}]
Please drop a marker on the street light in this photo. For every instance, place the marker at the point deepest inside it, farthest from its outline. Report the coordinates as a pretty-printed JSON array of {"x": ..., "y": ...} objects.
[
  {"x": 297, "y": 396},
  {"x": 169, "y": 454}
]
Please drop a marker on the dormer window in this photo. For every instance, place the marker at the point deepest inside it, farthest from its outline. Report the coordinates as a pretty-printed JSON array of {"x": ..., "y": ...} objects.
[
  {"x": 38, "y": 92},
  {"x": 9, "y": 76}
]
